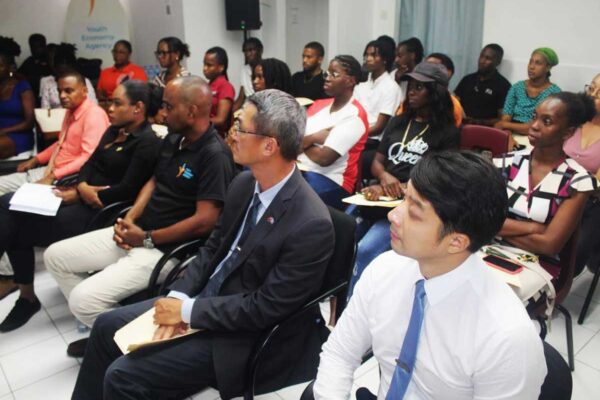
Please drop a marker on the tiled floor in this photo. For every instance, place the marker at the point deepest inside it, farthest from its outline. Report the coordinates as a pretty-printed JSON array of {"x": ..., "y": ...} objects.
[{"x": 34, "y": 364}]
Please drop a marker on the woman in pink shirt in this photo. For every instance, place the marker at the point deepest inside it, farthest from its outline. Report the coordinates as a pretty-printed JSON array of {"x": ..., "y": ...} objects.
[
  {"x": 584, "y": 147},
  {"x": 223, "y": 93}
]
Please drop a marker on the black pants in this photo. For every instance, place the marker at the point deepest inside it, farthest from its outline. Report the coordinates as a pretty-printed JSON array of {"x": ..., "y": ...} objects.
[
  {"x": 20, "y": 232},
  {"x": 172, "y": 370},
  {"x": 588, "y": 247}
]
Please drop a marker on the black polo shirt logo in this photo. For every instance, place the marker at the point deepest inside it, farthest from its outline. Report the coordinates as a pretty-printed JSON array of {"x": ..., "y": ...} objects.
[{"x": 185, "y": 172}]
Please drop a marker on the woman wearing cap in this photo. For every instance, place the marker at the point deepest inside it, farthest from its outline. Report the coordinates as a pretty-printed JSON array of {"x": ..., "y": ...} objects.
[
  {"x": 428, "y": 124},
  {"x": 336, "y": 132},
  {"x": 524, "y": 96}
]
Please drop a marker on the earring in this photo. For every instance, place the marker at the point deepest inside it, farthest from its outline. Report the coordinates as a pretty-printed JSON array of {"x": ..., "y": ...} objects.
[{"x": 10, "y": 74}]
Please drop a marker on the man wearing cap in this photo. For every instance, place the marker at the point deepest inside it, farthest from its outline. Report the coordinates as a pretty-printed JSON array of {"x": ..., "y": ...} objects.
[
  {"x": 524, "y": 96},
  {"x": 336, "y": 132}
]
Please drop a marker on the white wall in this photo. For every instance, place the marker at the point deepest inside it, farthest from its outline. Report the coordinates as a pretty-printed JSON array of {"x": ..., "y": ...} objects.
[
  {"x": 307, "y": 20},
  {"x": 41, "y": 16},
  {"x": 569, "y": 27}
]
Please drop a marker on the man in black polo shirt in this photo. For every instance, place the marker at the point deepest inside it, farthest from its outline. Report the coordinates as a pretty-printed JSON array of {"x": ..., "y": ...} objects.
[
  {"x": 182, "y": 201},
  {"x": 482, "y": 93},
  {"x": 309, "y": 82}
]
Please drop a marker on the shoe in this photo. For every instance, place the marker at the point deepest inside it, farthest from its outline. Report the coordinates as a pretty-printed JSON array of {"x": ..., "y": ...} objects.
[
  {"x": 77, "y": 348},
  {"x": 20, "y": 314}
]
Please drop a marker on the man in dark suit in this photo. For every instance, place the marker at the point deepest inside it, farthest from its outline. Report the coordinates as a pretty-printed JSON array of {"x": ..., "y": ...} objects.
[{"x": 266, "y": 257}]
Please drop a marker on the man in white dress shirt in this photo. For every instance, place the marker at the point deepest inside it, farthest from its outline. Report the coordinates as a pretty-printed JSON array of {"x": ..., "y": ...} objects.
[{"x": 474, "y": 339}]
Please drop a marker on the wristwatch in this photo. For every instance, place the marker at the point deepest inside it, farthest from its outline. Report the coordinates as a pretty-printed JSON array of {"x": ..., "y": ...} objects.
[{"x": 148, "y": 243}]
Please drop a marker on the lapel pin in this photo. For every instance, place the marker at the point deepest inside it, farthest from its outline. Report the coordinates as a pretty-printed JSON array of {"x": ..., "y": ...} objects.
[{"x": 271, "y": 220}]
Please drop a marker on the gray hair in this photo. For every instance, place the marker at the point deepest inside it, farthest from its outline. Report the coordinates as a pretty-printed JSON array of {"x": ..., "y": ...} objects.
[{"x": 280, "y": 116}]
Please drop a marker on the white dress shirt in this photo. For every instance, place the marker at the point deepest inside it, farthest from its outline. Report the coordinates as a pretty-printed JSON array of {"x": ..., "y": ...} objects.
[
  {"x": 477, "y": 341},
  {"x": 379, "y": 96}
]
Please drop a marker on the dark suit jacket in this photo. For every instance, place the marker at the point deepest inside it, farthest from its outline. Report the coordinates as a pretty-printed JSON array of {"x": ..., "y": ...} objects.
[{"x": 280, "y": 267}]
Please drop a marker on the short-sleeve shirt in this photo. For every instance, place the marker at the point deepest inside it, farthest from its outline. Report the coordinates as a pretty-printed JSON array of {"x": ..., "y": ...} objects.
[
  {"x": 12, "y": 113},
  {"x": 306, "y": 85},
  {"x": 201, "y": 170},
  {"x": 112, "y": 77},
  {"x": 159, "y": 79},
  {"x": 347, "y": 138},
  {"x": 588, "y": 158},
  {"x": 541, "y": 203},
  {"x": 221, "y": 90},
  {"x": 405, "y": 142},
  {"x": 482, "y": 98},
  {"x": 379, "y": 96},
  {"x": 246, "y": 80},
  {"x": 520, "y": 106}
]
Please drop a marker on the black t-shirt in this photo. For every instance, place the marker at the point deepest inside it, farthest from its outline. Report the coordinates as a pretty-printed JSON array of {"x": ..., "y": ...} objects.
[
  {"x": 125, "y": 166},
  {"x": 307, "y": 86},
  {"x": 201, "y": 170},
  {"x": 482, "y": 99},
  {"x": 401, "y": 153}
]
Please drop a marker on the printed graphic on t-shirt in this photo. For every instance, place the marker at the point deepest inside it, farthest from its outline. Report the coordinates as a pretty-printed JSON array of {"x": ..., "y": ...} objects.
[
  {"x": 185, "y": 172},
  {"x": 410, "y": 153}
]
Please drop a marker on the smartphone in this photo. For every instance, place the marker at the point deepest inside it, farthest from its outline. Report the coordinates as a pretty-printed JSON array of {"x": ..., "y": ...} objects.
[{"x": 508, "y": 266}]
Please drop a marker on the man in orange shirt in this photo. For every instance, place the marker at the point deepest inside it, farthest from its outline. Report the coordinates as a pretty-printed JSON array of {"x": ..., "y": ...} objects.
[
  {"x": 84, "y": 125},
  {"x": 123, "y": 70}
]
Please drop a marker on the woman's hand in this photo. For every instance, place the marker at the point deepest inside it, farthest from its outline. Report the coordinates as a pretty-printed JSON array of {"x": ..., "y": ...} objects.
[
  {"x": 391, "y": 186},
  {"x": 89, "y": 194},
  {"x": 373, "y": 192},
  {"x": 67, "y": 194}
]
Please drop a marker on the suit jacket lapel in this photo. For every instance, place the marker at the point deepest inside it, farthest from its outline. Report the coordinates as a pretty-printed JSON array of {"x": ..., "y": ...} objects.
[{"x": 271, "y": 217}]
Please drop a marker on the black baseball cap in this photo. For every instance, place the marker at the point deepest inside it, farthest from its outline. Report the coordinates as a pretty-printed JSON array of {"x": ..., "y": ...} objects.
[{"x": 428, "y": 72}]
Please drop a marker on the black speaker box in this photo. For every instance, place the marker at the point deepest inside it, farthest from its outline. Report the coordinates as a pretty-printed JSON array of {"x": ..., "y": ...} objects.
[{"x": 242, "y": 14}]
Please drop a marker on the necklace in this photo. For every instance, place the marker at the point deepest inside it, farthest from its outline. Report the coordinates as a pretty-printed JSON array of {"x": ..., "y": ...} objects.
[{"x": 418, "y": 136}]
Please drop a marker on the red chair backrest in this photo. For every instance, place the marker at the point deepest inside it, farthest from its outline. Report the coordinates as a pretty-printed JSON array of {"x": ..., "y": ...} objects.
[{"x": 477, "y": 137}]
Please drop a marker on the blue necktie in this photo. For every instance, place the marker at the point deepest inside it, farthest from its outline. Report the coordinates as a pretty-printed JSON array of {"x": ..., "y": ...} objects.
[
  {"x": 405, "y": 363},
  {"x": 214, "y": 284}
]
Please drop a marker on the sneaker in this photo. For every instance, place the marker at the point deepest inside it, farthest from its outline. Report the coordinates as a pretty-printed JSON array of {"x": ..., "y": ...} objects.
[{"x": 20, "y": 314}]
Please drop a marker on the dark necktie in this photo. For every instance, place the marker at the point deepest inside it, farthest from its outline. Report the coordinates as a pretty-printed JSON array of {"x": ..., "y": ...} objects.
[
  {"x": 405, "y": 363},
  {"x": 214, "y": 283}
]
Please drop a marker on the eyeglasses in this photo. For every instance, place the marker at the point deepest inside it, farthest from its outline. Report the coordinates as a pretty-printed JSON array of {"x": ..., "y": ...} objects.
[
  {"x": 592, "y": 91},
  {"x": 332, "y": 75},
  {"x": 162, "y": 53},
  {"x": 236, "y": 129}
]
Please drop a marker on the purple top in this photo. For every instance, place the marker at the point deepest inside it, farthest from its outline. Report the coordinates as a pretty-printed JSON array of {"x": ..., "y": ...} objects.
[{"x": 588, "y": 158}]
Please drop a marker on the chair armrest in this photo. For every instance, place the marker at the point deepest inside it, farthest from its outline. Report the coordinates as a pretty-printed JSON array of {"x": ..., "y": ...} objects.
[
  {"x": 174, "y": 273},
  {"x": 180, "y": 252},
  {"x": 69, "y": 180},
  {"x": 264, "y": 341},
  {"x": 108, "y": 215}
]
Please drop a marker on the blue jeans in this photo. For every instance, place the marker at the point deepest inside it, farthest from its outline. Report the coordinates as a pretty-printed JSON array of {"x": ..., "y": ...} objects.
[
  {"x": 376, "y": 241},
  {"x": 330, "y": 192}
]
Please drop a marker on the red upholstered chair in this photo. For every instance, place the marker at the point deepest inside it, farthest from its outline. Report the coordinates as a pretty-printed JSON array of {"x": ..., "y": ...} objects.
[{"x": 479, "y": 138}]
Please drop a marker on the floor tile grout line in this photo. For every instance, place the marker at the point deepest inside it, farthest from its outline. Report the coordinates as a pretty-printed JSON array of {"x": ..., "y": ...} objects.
[
  {"x": 587, "y": 365},
  {"x": 49, "y": 376},
  {"x": 6, "y": 379},
  {"x": 586, "y": 343},
  {"x": 29, "y": 345}
]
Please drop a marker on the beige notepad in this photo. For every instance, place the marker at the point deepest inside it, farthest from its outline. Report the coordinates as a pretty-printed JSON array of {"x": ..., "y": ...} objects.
[
  {"x": 383, "y": 201},
  {"x": 139, "y": 333}
]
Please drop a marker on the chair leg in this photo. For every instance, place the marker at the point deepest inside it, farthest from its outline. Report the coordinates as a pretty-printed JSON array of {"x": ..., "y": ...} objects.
[
  {"x": 589, "y": 296},
  {"x": 543, "y": 326},
  {"x": 569, "y": 326}
]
